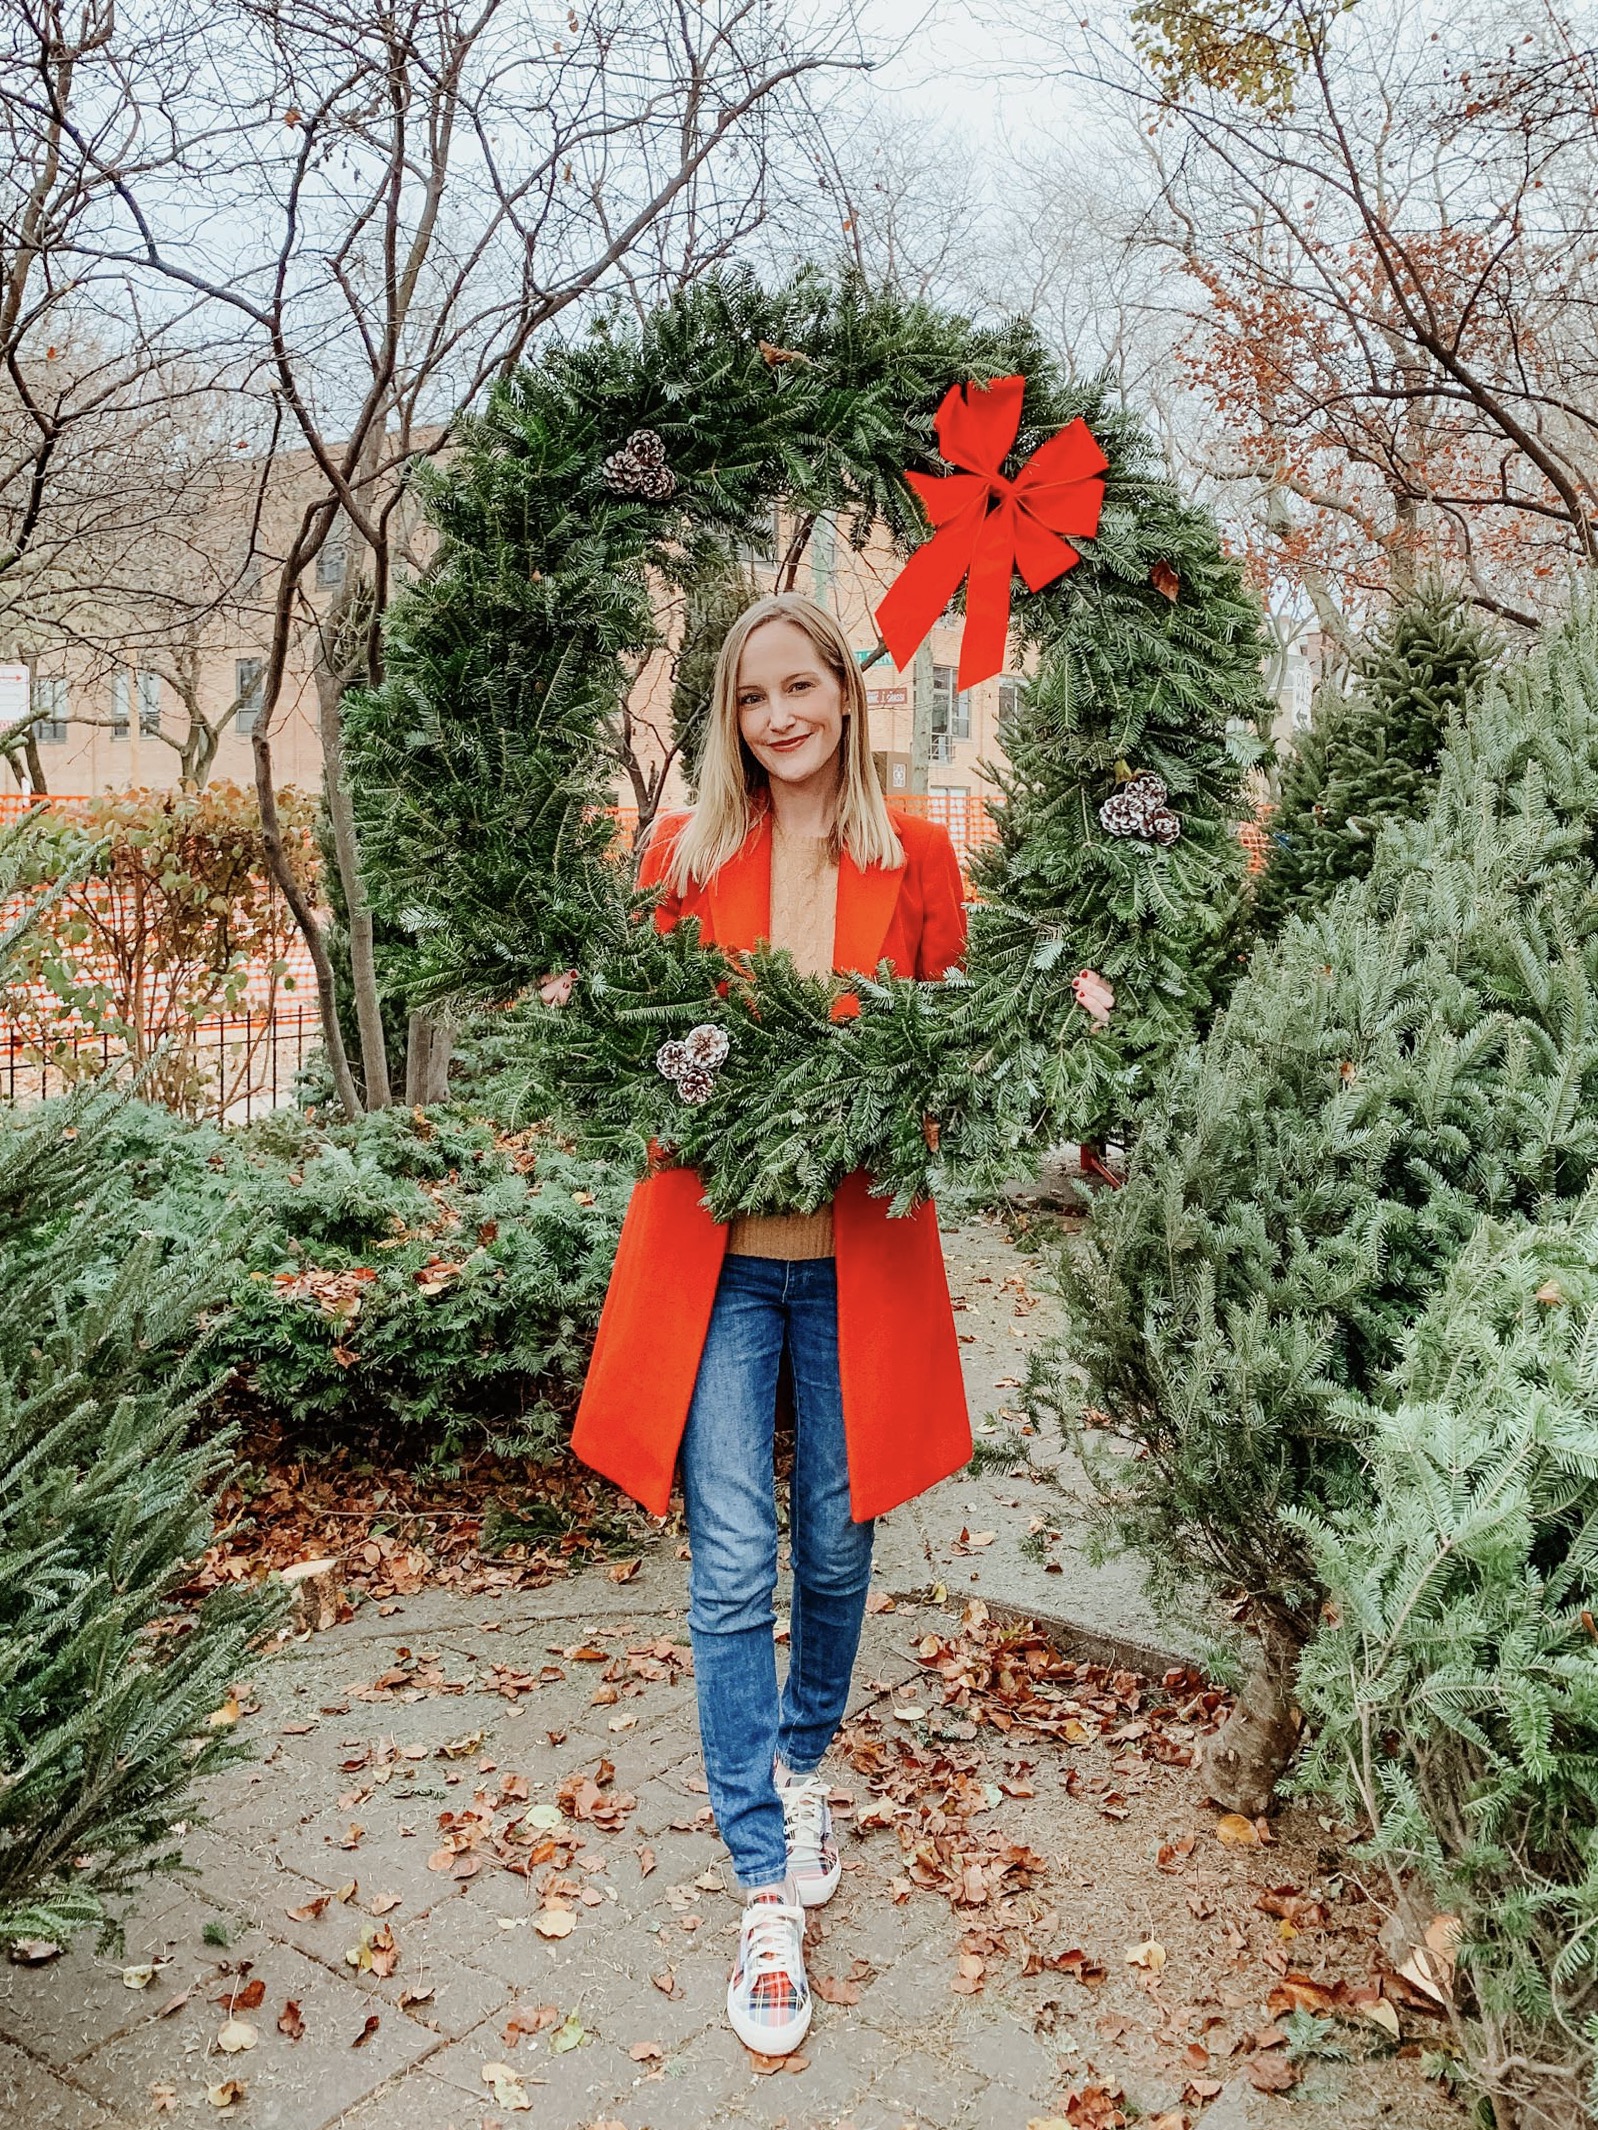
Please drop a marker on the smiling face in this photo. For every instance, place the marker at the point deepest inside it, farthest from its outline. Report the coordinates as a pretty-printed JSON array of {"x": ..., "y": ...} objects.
[{"x": 790, "y": 705}]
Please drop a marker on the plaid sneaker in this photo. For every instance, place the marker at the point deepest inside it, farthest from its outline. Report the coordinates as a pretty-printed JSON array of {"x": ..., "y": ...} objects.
[
  {"x": 813, "y": 1863},
  {"x": 768, "y": 1997}
]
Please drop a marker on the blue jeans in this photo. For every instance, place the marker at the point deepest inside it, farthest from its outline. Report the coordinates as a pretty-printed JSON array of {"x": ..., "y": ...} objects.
[{"x": 762, "y": 1303}]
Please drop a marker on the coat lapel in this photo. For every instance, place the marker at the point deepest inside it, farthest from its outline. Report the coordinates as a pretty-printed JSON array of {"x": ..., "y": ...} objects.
[
  {"x": 867, "y": 899},
  {"x": 740, "y": 894}
]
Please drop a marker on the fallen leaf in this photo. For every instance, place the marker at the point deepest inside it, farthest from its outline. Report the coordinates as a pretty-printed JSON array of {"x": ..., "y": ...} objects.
[
  {"x": 1383, "y": 2014},
  {"x": 665, "y": 1982},
  {"x": 367, "y": 2031},
  {"x": 33, "y": 1952},
  {"x": 247, "y": 1998},
  {"x": 236, "y": 2035},
  {"x": 509, "y": 2092},
  {"x": 623, "y": 1571},
  {"x": 412, "y": 1995},
  {"x": 571, "y": 2034},
  {"x": 385, "y": 1903},
  {"x": 833, "y": 1991},
  {"x": 646, "y": 1861},
  {"x": 164, "y": 2098},
  {"x": 176, "y": 2004},
  {"x": 139, "y": 1977},
  {"x": 1150, "y": 1955},
  {"x": 1233, "y": 1831},
  {"x": 289, "y": 2021},
  {"x": 308, "y": 1911},
  {"x": 554, "y": 1922},
  {"x": 646, "y": 2052},
  {"x": 228, "y": 2094},
  {"x": 529, "y": 2023},
  {"x": 1270, "y": 2072}
]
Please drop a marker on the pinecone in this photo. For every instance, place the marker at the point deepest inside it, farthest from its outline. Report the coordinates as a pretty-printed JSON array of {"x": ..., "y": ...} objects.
[
  {"x": 639, "y": 469},
  {"x": 706, "y": 1046},
  {"x": 690, "y": 1064},
  {"x": 1138, "y": 808}
]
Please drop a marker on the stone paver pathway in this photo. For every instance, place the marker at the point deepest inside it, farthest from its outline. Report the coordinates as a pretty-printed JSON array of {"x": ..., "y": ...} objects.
[{"x": 330, "y": 1837}]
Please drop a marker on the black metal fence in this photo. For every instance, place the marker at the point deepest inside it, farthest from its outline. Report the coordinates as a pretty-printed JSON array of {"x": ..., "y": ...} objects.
[{"x": 233, "y": 1068}]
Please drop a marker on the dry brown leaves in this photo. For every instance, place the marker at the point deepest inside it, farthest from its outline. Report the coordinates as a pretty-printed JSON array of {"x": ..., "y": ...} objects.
[{"x": 394, "y": 1530}]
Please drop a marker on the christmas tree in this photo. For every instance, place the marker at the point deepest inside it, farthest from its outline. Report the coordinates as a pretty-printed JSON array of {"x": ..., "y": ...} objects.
[
  {"x": 1420, "y": 1052},
  {"x": 1453, "y": 1682},
  {"x": 1371, "y": 756},
  {"x": 104, "y": 1507}
]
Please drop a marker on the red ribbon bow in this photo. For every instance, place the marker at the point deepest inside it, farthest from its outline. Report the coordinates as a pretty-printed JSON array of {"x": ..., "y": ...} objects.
[{"x": 989, "y": 526}]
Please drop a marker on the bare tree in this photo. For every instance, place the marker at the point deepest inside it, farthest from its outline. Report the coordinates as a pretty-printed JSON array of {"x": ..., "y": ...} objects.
[
  {"x": 117, "y": 421},
  {"x": 1389, "y": 240},
  {"x": 419, "y": 188}
]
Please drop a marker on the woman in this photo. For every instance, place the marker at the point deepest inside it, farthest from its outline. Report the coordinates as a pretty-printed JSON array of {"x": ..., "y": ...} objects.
[{"x": 791, "y": 841}]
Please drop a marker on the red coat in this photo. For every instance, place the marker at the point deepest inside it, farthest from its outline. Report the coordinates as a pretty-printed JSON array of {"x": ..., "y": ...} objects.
[{"x": 904, "y": 1403}]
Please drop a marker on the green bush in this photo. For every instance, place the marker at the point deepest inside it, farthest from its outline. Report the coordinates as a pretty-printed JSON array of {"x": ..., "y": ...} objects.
[
  {"x": 1454, "y": 1686},
  {"x": 1421, "y": 1052},
  {"x": 418, "y": 1270}
]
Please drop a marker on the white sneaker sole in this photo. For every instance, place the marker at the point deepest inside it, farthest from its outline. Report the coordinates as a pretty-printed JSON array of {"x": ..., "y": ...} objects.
[
  {"x": 814, "y": 1893},
  {"x": 769, "y": 2040}
]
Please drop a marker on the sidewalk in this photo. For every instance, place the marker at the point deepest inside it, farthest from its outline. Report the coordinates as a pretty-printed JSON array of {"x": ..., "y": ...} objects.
[{"x": 470, "y": 1878}]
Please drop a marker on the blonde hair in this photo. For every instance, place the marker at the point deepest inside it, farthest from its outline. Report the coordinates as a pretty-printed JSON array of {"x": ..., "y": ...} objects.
[{"x": 734, "y": 790}]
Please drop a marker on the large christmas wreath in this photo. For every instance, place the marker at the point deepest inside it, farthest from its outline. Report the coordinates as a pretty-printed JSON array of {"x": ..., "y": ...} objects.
[{"x": 639, "y": 460}]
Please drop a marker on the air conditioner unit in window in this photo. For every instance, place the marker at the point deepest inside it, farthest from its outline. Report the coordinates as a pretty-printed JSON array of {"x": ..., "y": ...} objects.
[{"x": 942, "y": 747}]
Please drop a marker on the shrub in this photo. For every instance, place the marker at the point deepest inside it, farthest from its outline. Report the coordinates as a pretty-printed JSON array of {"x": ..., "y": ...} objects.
[
  {"x": 1454, "y": 1688},
  {"x": 416, "y": 1268}
]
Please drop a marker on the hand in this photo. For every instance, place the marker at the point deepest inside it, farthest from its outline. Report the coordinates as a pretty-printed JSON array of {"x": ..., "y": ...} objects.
[
  {"x": 1094, "y": 996},
  {"x": 556, "y": 988}
]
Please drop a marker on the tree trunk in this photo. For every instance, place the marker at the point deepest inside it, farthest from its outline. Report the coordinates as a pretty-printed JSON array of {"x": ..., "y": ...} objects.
[
  {"x": 346, "y": 851},
  {"x": 427, "y": 1052},
  {"x": 30, "y": 748},
  {"x": 1247, "y": 1757},
  {"x": 310, "y": 930}
]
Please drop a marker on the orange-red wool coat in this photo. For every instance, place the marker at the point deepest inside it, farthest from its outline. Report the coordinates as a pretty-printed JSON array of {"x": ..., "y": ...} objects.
[{"x": 904, "y": 1403}]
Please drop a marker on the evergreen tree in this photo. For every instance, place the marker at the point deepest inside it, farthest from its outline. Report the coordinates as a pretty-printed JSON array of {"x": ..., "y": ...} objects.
[
  {"x": 714, "y": 595},
  {"x": 104, "y": 1507},
  {"x": 1453, "y": 1682},
  {"x": 1421, "y": 1051},
  {"x": 1371, "y": 756}
]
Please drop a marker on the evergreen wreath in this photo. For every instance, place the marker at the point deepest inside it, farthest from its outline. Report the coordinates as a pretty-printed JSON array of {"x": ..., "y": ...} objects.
[{"x": 647, "y": 455}]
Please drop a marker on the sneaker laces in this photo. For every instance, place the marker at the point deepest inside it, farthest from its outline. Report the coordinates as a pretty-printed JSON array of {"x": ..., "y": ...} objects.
[
  {"x": 804, "y": 1806},
  {"x": 772, "y": 1935}
]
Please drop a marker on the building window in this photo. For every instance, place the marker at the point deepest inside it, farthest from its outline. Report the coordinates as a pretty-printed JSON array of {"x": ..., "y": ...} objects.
[
  {"x": 330, "y": 561},
  {"x": 951, "y": 708},
  {"x": 48, "y": 701},
  {"x": 1010, "y": 696},
  {"x": 150, "y": 705},
  {"x": 249, "y": 677},
  {"x": 761, "y": 546},
  {"x": 942, "y": 749},
  {"x": 121, "y": 696}
]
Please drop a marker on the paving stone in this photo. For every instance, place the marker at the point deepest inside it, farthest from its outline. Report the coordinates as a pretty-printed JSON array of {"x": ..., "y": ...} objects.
[
  {"x": 291, "y": 2085},
  {"x": 65, "y": 2010},
  {"x": 36, "y": 2097},
  {"x": 422, "y": 2102},
  {"x": 568, "y": 2091},
  {"x": 1004, "y": 2050},
  {"x": 942, "y": 2096}
]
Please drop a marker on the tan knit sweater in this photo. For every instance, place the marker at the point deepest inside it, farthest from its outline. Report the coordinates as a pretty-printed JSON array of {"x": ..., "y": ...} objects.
[{"x": 804, "y": 903}]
